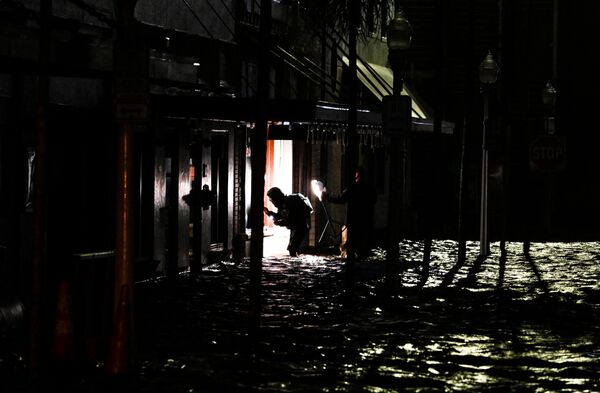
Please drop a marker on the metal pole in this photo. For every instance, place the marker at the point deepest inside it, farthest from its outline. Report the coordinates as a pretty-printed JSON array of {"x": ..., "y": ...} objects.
[
  {"x": 129, "y": 59},
  {"x": 483, "y": 223},
  {"x": 40, "y": 201},
  {"x": 352, "y": 151},
  {"x": 258, "y": 146},
  {"x": 398, "y": 108},
  {"x": 326, "y": 224}
]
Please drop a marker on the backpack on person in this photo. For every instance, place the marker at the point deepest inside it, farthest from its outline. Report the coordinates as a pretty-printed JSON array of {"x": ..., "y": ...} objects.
[{"x": 307, "y": 208}]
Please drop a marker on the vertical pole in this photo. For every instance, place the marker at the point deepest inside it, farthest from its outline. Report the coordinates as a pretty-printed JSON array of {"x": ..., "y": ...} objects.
[
  {"x": 129, "y": 61},
  {"x": 258, "y": 145},
  {"x": 397, "y": 122},
  {"x": 125, "y": 194},
  {"x": 173, "y": 205},
  {"x": 555, "y": 40},
  {"x": 398, "y": 82},
  {"x": 39, "y": 191},
  {"x": 462, "y": 246},
  {"x": 394, "y": 188},
  {"x": 467, "y": 116},
  {"x": 323, "y": 69},
  {"x": 483, "y": 223},
  {"x": 352, "y": 152},
  {"x": 196, "y": 211}
]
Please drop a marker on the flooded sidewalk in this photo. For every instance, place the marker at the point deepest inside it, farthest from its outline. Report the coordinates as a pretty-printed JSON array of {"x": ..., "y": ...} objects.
[
  {"x": 537, "y": 330},
  {"x": 533, "y": 325}
]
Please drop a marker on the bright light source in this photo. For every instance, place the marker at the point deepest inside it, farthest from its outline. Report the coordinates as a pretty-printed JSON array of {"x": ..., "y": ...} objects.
[
  {"x": 196, "y": 64},
  {"x": 317, "y": 188}
]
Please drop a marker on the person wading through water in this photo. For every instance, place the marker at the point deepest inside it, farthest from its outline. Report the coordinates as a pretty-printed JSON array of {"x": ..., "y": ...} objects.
[{"x": 293, "y": 212}]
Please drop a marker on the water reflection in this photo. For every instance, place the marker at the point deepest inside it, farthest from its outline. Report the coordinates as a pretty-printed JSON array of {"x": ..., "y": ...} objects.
[{"x": 470, "y": 335}]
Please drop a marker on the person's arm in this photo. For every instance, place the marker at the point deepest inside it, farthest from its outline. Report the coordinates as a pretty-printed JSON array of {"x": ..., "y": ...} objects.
[
  {"x": 342, "y": 198},
  {"x": 279, "y": 217}
]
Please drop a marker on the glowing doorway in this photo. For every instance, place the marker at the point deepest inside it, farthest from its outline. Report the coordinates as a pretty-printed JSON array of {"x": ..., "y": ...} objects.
[{"x": 278, "y": 173}]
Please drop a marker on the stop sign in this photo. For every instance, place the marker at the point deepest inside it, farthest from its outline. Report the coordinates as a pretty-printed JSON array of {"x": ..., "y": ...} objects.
[{"x": 547, "y": 153}]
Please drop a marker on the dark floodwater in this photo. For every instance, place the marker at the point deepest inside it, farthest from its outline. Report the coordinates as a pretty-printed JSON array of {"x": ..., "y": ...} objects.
[
  {"x": 533, "y": 326},
  {"x": 536, "y": 327}
]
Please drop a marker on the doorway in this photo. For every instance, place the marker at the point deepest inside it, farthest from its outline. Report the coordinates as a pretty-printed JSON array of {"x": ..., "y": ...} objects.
[{"x": 279, "y": 172}]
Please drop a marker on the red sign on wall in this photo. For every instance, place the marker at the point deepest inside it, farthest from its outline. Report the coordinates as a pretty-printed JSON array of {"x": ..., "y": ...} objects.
[{"x": 547, "y": 153}]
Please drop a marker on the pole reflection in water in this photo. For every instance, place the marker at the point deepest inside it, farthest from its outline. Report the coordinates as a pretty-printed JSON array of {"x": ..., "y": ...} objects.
[{"x": 520, "y": 336}]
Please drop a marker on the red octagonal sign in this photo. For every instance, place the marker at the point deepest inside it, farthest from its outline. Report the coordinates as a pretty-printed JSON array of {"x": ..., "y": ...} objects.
[{"x": 547, "y": 153}]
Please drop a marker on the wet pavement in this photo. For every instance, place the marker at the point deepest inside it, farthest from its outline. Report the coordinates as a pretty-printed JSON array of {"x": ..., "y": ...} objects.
[{"x": 532, "y": 325}]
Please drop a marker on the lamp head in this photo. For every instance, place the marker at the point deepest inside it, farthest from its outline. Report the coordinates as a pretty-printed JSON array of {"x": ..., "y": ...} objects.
[
  {"x": 488, "y": 70},
  {"x": 399, "y": 33}
]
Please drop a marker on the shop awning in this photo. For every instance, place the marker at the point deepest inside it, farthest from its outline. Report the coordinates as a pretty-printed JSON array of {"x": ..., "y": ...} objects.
[{"x": 379, "y": 80}]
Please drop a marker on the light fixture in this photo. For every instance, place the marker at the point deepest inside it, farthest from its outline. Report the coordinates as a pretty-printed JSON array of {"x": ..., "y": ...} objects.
[
  {"x": 317, "y": 188},
  {"x": 399, "y": 33},
  {"x": 488, "y": 70}
]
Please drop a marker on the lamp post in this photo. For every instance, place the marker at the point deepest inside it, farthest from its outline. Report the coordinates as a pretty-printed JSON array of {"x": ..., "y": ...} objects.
[
  {"x": 549, "y": 106},
  {"x": 397, "y": 122},
  {"x": 488, "y": 74},
  {"x": 549, "y": 102},
  {"x": 399, "y": 39}
]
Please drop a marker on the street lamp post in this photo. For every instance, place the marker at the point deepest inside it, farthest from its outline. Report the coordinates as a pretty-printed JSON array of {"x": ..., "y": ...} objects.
[
  {"x": 549, "y": 107},
  {"x": 488, "y": 74},
  {"x": 399, "y": 39},
  {"x": 549, "y": 101},
  {"x": 397, "y": 121}
]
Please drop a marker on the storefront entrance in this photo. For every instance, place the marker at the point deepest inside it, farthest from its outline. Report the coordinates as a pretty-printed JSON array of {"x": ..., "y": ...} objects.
[{"x": 279, "y": 173}]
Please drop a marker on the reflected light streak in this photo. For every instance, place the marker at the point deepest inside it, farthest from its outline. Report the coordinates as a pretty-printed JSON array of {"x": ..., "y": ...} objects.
[{"x": 371, "y": 352}]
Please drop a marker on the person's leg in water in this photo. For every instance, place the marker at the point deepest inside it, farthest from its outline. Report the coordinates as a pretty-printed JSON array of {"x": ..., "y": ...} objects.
[{"x": 296, "y": 238}]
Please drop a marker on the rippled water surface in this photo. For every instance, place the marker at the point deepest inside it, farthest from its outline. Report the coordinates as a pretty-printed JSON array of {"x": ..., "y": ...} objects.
[{"x": 528, "y": 325}]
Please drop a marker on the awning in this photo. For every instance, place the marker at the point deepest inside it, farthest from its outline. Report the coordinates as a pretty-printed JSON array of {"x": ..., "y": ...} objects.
[{"x": 379, "y": 80}]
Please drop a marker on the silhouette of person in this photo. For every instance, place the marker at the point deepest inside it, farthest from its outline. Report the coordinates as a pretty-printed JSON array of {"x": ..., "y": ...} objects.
[
  {"x": 293, "y": 212},
  {"x": 360, "y": 197}
]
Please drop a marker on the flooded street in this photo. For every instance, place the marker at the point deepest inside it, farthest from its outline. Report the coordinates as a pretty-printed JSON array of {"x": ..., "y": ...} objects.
[{"x": 533, "y": 327}]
